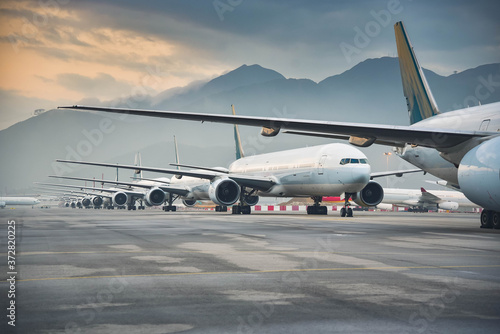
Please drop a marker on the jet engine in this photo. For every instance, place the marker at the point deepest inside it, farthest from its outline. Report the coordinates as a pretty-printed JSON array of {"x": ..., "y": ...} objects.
[
  {"x": 189, "y": 202},
  {"x": 224, "y": 192},
  {"x": 97, "y": 201},
  {"x": 448, "y": 206},
  {"x": 251, "y": 200},
  {"x": 155, "y": 196},
  {"x": 120, "y": 198},
  {"x": 371, "y": 195},
  {"x": 479, "y": 177},
  {"x": 86, "y": 202}
]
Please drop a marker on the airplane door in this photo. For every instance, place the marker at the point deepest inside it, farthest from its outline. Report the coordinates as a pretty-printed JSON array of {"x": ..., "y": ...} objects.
[
  {"x": 484, "y": 125},
  {"x": 321, "y": 164}
]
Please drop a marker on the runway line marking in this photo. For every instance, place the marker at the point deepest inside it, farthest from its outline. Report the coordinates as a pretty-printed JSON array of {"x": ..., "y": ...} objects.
[
  {"x": 259, "y": 272},
  {"x": 242, "y": 251}
]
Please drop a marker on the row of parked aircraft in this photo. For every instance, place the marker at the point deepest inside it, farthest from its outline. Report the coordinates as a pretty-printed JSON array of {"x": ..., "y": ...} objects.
[
  {"x": 154, "y": 192},
  {"x": 460, "y": 147}
]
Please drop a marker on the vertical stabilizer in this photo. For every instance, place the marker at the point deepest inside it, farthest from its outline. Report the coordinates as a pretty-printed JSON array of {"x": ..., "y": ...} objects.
[
  {"x": 237, "y": 139},
  {"x": 177, "y": 160},
  {"x": 137, "y": 162},
  {"x": 419, "y": 99}
]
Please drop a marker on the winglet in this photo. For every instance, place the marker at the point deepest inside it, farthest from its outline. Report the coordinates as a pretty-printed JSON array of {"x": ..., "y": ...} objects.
[
  {"x": 419, "y": 99},
  {"x": 423, "y": 190}
]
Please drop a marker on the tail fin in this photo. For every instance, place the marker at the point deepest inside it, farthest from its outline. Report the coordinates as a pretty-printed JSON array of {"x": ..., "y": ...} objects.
[
  {"x": 419, "y": 99},
  {"x": 177, "y": 161},
  {"x": 137, "y": 162},
  {"x": 237, "y": 140}
]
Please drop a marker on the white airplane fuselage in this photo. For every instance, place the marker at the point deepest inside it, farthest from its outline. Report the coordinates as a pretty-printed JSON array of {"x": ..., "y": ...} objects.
[
  {"x": 413, "y": 197},
  {"x": 456, "y": 165},
  {"x": 309, "y": 171},
  {"x": 303, "y": 172},
  {"x": 5, "y": 201}
]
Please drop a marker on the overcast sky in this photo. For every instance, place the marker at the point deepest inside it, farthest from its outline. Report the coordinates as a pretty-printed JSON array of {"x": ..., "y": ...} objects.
[{"x": 56, "y": 52}]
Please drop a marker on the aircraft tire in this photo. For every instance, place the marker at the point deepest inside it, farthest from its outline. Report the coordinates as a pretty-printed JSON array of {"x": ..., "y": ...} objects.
[
  {"x": 496, "y": 220},
  {"x": 486, "y": 219},
  {"x": 246, "y": 209},
  {"x": 349, "y": 212},
  {"x": 342, "y": 212}
]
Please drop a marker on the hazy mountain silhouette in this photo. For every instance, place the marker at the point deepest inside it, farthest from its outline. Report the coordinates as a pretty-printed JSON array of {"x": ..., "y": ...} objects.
[{"x": 369, "y": 92}]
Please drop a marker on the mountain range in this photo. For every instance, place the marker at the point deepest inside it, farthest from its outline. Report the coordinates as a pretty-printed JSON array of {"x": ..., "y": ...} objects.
[{"x": 370, "y": 92}]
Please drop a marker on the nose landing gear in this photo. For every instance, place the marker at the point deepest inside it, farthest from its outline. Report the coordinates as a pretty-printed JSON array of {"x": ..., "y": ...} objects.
[{"x": 346, "y": 211}]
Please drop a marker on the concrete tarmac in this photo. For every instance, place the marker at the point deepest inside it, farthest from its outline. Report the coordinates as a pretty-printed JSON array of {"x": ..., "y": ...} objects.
[{"x": 97, "y": 271}]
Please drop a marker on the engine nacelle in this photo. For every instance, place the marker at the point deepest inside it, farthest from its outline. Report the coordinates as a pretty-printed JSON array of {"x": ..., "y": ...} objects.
[
  {"x": 107, "y": 202},
  {"x": 448, "y": 206},
  {"x": 155, "y": 196},
  {"x": 120, "y": 198},
  {"x": 479, "y": 176},
  {"x": 224, "y": 192},
  {"x": 97, "y": 201},
  {"x": 86, "y": 202},
  {"x": 372, "y": 194},
  {"x": 251, "y": 200},
  {"x": 189, "y": 202}
]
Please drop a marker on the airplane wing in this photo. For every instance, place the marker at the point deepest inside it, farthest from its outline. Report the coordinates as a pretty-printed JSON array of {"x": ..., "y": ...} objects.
[
  {"x": 256, "y": 182},
  {"x": 106, "y": 190},
  {"x": 219, "y": 170},
  {"x": 343, "y": 137},
  {"x": 397, "y": 173},
  {"x": 199, "y": 174},
  {"x": 360, "y": 134},
  {"x": 427, "y": 197},
  {"x": 73, "y": 192},
  {"x": 167, "y": 188}
]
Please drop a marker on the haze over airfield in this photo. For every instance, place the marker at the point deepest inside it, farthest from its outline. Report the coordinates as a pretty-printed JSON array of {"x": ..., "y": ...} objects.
[{"x": 59, "y": 51}]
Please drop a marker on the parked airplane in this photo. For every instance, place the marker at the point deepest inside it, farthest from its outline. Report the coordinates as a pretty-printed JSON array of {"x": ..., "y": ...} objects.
[
  {"x": 464, "y": 142},
  {"x": 15, "y": 201},
  {"x": 422, "y": 200},
  {"x": 317, "y": 171}
]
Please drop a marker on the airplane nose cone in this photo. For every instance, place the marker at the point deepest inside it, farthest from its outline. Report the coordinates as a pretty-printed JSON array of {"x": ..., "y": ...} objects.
[{"x": 360, "y": 176}]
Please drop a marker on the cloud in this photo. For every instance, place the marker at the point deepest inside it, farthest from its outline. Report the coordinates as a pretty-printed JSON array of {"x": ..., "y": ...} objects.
[{"x": 101, "y": 85}]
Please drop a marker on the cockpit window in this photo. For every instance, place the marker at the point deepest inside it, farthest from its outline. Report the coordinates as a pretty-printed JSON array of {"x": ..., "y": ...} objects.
[{"x": 346, "y": 161}]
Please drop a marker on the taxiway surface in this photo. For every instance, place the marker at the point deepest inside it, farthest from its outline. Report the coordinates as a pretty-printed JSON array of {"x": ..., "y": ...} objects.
[{"x": 95, "y": 271}]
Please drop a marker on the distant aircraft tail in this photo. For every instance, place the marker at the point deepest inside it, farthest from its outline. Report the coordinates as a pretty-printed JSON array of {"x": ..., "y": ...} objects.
[
  {"x": 237, "y": 140},
  {"x": 137, "y": 162},
  {"x": 419, "y": 99},
  {"x": 177, "y": 160}
]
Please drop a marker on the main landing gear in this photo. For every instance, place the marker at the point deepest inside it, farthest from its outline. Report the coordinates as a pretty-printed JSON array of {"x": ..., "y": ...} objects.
[
  {"x": 317, "y": 209},
  {"x": 243, "y": 207},
  {"x": 490, "y": 219},
  {"x": 346, "y": 211},
  {"x": 221, "y": 208},
  {"x": 170, "y": 206}
]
